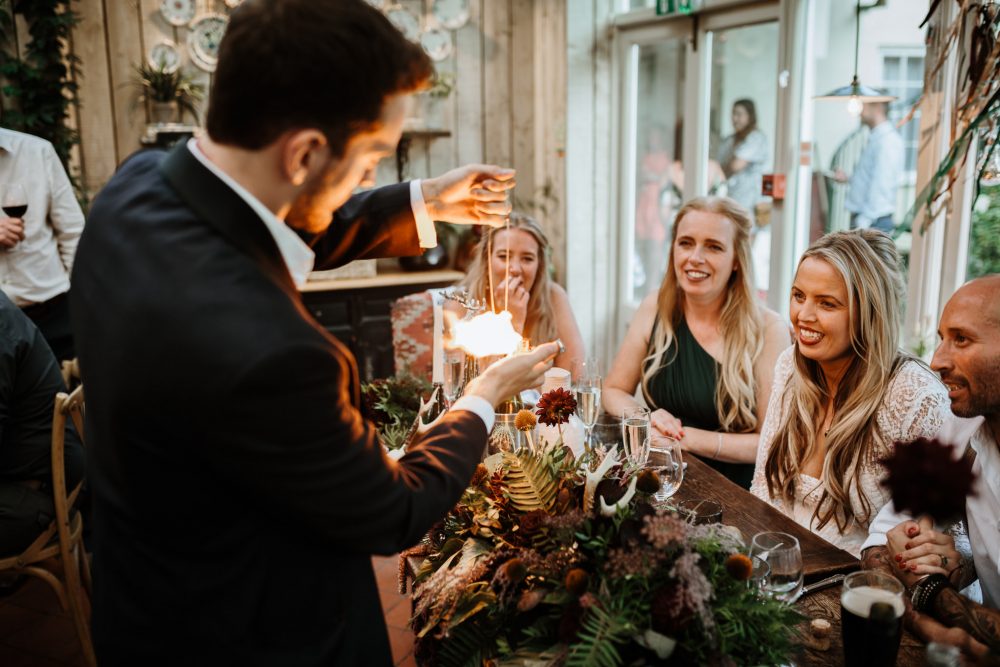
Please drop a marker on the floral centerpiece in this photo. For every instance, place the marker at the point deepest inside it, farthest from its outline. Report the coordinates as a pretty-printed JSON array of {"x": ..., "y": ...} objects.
[{"x": 548, "y": 560}]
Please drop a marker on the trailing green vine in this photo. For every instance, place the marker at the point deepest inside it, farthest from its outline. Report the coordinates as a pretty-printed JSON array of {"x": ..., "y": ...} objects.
[{"x": 40, "y": 89}]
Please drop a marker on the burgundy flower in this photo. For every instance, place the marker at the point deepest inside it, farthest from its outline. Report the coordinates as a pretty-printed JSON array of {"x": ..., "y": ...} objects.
[
  {"x": 555, "y": 407},
  {"x": 925, "y": 479}
]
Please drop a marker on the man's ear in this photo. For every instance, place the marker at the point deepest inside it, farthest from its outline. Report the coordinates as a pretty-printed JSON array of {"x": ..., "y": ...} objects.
[{"x": 302, "y": 154}]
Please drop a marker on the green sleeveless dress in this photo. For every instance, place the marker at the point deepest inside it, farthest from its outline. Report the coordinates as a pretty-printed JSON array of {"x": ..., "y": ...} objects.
[{"x": 685, "y": 387}]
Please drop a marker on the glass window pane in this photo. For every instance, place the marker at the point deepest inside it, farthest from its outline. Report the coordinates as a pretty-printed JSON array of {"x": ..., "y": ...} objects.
[
  {"x": 914, "y": 70},
  {"x": 742, "y": 124},
  {"x": 659, "y": 176},
  {"x": 892, "y": 70},
  {"x": 984, "y": 233}
]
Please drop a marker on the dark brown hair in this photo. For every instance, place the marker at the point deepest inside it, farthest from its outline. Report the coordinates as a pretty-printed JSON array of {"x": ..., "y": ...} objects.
[
  {"x": 323, "y": 64},
  {"x": 751, "y": 110}
]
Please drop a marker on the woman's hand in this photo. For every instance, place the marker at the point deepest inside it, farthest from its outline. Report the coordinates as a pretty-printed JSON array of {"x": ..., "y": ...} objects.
[
  {"x": 919, "y": 550},
  {"x": 665, "y": 425},
  {"x": 511, "y": 292}
]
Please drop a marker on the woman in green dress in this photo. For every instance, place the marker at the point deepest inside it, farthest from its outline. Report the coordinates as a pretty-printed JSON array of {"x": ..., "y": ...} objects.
[{"x": 703, "y": 348}]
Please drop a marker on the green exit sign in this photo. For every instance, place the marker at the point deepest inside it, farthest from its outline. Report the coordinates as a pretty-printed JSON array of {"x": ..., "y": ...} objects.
[{"x": 667, "y": 7}]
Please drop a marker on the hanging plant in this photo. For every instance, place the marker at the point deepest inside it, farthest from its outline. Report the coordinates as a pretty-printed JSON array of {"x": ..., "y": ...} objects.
[
  {"x": 40, "y": 89},
  {"x": 977, "y": 103}
]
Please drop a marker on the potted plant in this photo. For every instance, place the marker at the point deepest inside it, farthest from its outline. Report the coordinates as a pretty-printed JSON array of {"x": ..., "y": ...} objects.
[
  {"x": 442, "y": 84},
  {"x": 170, "y": 92}
]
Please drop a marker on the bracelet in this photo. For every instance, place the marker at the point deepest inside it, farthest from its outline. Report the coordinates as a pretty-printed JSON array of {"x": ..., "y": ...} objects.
[
  {"x": 719, "y": 448},
  {"x": 926, "y": 591}
]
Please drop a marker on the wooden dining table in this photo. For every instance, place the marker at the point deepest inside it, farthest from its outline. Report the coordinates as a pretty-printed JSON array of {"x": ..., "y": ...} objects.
[{"x": 820, "y": 558}]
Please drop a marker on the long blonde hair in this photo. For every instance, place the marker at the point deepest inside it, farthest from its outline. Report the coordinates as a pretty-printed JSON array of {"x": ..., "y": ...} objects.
[
  {"x": 741, "y": 322},
  {"x": 869, "y": 265},
  {"x": 539, "y": 325}
]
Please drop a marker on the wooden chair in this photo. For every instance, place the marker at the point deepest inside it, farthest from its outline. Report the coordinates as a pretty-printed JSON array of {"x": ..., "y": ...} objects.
[
  {"x": 59, "y": 549},
  {"x": 71, "y": 373}
]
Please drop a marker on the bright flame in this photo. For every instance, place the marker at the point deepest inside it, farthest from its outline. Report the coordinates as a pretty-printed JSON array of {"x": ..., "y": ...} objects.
[{"x": 486, "y": 334}]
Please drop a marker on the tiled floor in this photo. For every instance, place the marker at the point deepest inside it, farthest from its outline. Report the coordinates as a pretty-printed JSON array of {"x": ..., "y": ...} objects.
[{"x": 35, "y": 632}]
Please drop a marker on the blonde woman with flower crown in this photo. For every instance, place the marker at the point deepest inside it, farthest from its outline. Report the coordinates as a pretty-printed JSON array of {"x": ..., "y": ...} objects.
[
  {"x": 845, "y": 392},
  {"x": 703, "y": 348},
  {"x": 518, "y": 270}
]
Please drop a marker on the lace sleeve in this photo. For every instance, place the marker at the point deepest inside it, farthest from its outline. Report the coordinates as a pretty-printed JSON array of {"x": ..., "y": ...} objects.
[
  {"x": 916, "y": 405},
  {"x": 782, "y": 371}
]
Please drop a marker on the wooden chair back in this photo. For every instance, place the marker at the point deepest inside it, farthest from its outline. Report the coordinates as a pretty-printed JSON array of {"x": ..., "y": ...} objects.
[{"x": 60, "y": 549}]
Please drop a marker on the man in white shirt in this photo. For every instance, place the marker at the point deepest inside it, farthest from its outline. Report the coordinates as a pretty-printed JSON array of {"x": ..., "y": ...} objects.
[
  {"x": 36, "y": 251},
  {"x": 923, "y": 558},
  {"x": 871, "y": 194}
]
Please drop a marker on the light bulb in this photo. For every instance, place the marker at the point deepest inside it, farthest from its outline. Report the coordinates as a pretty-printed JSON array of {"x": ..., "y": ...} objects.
[{"x": 855, "y": 105}]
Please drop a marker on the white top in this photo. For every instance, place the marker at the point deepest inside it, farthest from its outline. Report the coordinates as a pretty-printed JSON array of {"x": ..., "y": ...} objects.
[
  {"x": 299, "y": 257},
  {"x": 38, "y": 268},
  {"x": 915, "y": 406},
  {"x": 982, "y": 508},
  {"x": 872, "y": 191}
]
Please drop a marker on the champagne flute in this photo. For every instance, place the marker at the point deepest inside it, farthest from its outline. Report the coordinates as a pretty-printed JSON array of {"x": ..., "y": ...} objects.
[
  {"x": 783, "y": 556},
  {"x": 635, "y": 434},
  {"x": 454, "y": 374},
  {"x": 14, "y": 200},
  {"x": 587, "y": 384}
]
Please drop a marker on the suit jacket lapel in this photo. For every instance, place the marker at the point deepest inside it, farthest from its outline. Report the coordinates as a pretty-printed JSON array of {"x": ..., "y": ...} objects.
[{"x": 217, "y": 204}]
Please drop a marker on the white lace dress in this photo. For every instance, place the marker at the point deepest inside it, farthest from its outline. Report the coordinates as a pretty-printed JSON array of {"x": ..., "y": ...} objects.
[{"x": 915, "y": 406}]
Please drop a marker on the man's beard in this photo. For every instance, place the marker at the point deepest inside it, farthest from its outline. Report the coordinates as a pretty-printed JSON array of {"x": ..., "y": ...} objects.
[
  {"x": 985, "y": 401},
  {"x": 306, "y": 215}
]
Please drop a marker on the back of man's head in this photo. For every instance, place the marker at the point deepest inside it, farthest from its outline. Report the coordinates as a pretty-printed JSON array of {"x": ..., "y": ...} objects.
[{"x": 297, "y": 64}]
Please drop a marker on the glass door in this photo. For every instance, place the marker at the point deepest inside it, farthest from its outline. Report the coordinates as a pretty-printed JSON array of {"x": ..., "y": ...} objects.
[
  {"x": 742, "y": 127},
  {"x": 653, "y": 182}
]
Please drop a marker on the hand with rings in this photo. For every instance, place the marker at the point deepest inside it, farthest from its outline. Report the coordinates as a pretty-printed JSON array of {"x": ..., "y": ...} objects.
[{"x": 919, "y": 550}]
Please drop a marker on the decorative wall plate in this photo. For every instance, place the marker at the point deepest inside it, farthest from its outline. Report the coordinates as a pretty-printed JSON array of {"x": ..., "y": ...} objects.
[
  {"x": 407, "y": 23},
  {"x": 203, "y": 40},
  {"x": 437, "y": 43},
  {"x": 165, "y": 54},
  {"x": 452, "y": 14},
  {"x": 233, "y": 4},
  {"x": 177, "y": 12}
]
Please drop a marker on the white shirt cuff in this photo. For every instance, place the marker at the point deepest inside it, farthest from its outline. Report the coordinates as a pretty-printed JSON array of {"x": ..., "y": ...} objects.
[
  {"x": 478, "y": 406},
  {"x": 425, "y": 226}
]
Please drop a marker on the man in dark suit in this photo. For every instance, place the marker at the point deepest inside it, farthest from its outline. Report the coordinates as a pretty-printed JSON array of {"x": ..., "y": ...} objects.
[{"x": 238, "y": 493}]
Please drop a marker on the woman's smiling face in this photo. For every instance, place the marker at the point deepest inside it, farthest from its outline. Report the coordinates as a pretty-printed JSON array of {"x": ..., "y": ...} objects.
[
  {"x": 820, "y": 312},
  {"x": 704, "y": 254}
]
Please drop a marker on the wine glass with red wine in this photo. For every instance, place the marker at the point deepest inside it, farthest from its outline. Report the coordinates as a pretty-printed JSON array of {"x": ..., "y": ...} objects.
[{"x": 14, "y": 200}]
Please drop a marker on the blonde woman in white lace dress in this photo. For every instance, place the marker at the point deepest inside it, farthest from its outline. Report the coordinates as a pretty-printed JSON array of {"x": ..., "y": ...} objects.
[{"x": 844, "y": 392}]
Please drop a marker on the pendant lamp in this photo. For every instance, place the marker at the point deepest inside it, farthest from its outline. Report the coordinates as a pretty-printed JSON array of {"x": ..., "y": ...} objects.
[{"x": 854, "y": 93}]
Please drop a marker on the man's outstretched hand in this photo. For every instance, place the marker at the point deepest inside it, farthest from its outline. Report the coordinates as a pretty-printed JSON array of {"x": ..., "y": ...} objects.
[{"x": 476, "y": 194}]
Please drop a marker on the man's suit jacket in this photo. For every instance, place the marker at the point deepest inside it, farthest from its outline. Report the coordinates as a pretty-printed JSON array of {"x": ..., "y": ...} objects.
[{"x": 238, "y": 493}]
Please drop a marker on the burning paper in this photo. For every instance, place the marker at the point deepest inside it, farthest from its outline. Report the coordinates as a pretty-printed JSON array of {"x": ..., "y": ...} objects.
[{"x": 487, "y": 334}]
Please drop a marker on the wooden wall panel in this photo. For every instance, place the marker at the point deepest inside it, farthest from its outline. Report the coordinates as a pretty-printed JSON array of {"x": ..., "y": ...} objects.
[
  {"x": 97, "y": 136},
  {"x": 508, "y": 105},
  {"x": 125, "y": 52}
]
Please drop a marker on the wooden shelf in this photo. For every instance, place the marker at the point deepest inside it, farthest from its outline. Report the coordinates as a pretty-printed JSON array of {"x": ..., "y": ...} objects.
[{"x": 384, "y": 280}]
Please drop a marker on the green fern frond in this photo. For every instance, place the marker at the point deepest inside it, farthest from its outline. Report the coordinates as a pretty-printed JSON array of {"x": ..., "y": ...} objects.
[
  {"x": 595, "y": 645},
  {"x": 465, "y": 646},
  {"x": 531, "y": 483}
]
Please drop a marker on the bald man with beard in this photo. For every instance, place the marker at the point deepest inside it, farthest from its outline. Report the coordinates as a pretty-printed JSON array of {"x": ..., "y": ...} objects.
[{"x": 923, "y": 558}]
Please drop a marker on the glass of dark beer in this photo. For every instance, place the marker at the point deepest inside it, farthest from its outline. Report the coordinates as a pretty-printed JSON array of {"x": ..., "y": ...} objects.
[{"x": 871, "y": 618}]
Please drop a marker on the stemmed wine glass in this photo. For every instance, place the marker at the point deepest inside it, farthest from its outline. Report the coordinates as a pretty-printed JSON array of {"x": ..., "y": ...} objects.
[
  {"x": 13, "y": 200},
  {"x": 587, "y": 384}
]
